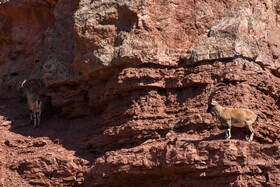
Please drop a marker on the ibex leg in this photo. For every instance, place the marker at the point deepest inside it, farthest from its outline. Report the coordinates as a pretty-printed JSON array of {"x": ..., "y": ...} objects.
[
  {"x": 35, "y": 120},
  {"x": 251, "y": 130},
  {"x": 38, "y": 117},
  {"x": 228, "y": 133},
  {"x": 31, "y": 116}
]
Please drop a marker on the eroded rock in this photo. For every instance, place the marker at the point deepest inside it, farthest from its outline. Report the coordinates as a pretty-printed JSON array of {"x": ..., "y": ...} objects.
[{"x": 142, "y": 70}]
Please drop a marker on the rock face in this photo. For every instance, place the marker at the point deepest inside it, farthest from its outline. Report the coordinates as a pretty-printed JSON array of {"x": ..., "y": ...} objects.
[{"x": 137, "y": 74}]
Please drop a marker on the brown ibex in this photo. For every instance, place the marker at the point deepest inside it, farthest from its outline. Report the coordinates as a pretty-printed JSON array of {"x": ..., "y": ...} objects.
[
  {"x": 31, "y": 89},
  {"x": 236, "y": 117}
]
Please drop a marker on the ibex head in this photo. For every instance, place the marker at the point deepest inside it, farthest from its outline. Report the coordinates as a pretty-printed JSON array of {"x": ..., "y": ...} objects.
[
  {"x": 33, "y": 85},
  {"x": 211, "y": 102}
]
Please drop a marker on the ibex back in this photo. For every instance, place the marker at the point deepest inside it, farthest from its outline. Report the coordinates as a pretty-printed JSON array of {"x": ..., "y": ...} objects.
[
  {"x": 33, "y": 99},
  {"x": 237, "y": 117}
]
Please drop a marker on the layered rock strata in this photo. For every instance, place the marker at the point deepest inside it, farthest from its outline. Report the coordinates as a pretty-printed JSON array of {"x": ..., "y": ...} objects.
[{"x": 142, "y": 70}]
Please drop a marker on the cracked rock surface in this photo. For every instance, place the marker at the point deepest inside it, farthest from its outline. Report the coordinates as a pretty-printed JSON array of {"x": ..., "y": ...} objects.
[{"x": 125, "y": 92}]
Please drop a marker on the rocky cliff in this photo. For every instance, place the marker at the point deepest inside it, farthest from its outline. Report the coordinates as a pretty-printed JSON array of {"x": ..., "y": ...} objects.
[{"x": 126, "y": 86}]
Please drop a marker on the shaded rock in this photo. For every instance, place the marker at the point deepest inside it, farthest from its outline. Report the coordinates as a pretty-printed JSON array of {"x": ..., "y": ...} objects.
[{"x": 131, "y": 80}]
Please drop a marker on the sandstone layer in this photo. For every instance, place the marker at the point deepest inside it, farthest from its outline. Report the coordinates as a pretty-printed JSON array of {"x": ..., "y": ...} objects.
[{"x": 126, "y": 86}]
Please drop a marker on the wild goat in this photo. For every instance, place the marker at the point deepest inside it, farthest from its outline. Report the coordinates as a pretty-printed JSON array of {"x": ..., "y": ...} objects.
[
  {"x": 34, "y": 100},
  {"x": 237, "y": 117}
]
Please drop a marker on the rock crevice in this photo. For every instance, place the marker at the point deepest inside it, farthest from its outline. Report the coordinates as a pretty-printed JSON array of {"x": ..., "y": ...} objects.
[{"x": 126, "y": 86}]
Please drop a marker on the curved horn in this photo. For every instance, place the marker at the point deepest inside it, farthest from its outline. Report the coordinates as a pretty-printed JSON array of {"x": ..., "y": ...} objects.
[
  {"x": 23, "y": 83},
  {"x": 214, "y": 89}
]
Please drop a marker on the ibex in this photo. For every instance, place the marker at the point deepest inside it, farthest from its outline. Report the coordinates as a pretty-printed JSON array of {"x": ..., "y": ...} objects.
[
  {"x": 237, "y": 117},
  {"x": 33, "y": 98}
]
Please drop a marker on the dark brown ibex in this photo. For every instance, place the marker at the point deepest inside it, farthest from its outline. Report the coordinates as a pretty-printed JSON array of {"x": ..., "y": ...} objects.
[
  {"x": 237, "y": 117},
  {"x": 30, "y": 89}
]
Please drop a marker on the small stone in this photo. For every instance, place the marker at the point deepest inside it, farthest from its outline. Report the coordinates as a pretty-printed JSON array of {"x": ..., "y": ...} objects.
[
  {"x": 39, "y": 143},
  {"x": 7, "y": 123}
]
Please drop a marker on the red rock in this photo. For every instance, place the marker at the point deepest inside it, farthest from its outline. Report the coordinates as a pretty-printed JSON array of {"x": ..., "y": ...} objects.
[{"x": 131, "y": 79}]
